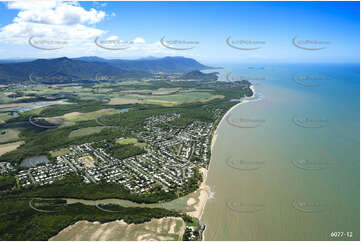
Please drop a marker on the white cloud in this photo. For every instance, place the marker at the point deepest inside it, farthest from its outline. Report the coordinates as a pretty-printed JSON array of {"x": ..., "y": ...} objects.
[
  {"x": 28, "y": 5},
  {"x": 113, "y": 37},
  {"x": 57, "y": 20},
  {"x": 51, "y": 19},
  {"x": 139, "y": 40},
  {"x": 63, "y": 14}
]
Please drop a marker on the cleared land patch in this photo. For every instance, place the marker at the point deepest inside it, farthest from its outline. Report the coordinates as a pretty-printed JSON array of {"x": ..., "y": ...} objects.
[
  {"x": 87, "y": 161},
  {"x": 85, "y": 131},
  {"x": 9, "y": 147},
  {"x": 55, "y": 121},
  {"x": 67, "y": 115}
]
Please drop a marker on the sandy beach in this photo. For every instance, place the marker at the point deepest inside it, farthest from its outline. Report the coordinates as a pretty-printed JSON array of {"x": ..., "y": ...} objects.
[
  {"x": 227, "y": 113},
  {"x": 200, "y": 202},
  {"x": 204, "y": 190}
]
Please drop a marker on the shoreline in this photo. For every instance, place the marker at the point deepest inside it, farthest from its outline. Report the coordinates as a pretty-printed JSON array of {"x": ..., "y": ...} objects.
[
  {"x": 204, "y": 186},
  {"x": 214, "y": 138},
  {"x": 203, "y": 196}
]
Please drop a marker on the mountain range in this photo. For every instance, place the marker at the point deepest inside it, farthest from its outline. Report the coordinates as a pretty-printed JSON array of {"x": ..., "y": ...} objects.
[
  {"x": 152, "y": 64},
  {"x": 65, "y": 70}
]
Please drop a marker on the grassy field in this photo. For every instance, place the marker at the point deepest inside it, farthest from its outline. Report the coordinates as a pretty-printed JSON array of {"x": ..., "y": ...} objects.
[
  {"x": 130, "y": 141},
  {"x": 35, "y": 111},
  {"x": 9, "y": 136},
  {"x": 6, "y": 96},
  {"x": 4, "y": 117},
  {"x": 212, "y": 98},
  {"x": 165, "y": 91},
  {"x": 127, "y": 141},
  {"x": 160, "y": 91},
  {"x": 165, "y": 100},
  {"x": 172, "y": 99},
  {"x": 186, "y": 97},
  {"x": 59, "y": 152},
  {"x": 76, "y": 117},
  {"x": 85, "y": 131},
  {"x": 124, "y": 100},
  {"x": 160, "y": 102}
]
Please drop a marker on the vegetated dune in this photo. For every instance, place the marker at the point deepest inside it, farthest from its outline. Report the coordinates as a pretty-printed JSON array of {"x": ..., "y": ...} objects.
[{"x": 169, "y": 228}]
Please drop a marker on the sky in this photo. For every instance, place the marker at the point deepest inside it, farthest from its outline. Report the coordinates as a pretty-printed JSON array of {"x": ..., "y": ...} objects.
[{"x": 211, "y": 32}]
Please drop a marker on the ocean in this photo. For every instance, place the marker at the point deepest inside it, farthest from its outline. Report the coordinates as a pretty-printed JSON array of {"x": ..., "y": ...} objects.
[{"x": 286, "y": 163}]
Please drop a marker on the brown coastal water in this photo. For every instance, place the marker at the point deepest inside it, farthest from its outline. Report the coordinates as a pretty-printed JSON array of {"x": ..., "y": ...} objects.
[{"x": 273, "y": 179}]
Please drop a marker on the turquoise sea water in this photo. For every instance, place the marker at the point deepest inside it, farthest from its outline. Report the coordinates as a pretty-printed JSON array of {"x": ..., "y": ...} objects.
[{"x": 286, "y": 165}]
